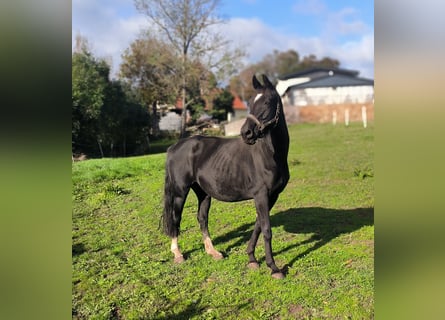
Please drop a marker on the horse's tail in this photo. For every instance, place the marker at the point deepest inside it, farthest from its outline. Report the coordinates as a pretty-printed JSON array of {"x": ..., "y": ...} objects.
[{"x": 169, "y": 219}]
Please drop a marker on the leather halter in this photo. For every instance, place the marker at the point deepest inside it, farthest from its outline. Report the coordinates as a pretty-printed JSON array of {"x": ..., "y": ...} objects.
[{"x": 263, "y": 126}]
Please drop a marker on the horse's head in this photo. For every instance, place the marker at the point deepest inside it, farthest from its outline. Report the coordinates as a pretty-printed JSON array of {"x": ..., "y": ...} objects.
[{"x": 265, "y": 110}]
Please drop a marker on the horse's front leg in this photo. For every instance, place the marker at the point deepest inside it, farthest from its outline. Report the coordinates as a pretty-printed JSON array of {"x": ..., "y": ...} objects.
[
  {"x": 204, "y": 201},
  {"x": 262, "y": 206},
  {"x": 253, "y": 263}
]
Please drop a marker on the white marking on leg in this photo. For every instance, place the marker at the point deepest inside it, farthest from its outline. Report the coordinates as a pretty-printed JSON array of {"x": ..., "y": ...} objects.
[
  {"x": 174, "y": 245},
  {"x": 174, "y": 248},
  {"x": 208, "y": 244},
  {"x": 211, "y": 250}
]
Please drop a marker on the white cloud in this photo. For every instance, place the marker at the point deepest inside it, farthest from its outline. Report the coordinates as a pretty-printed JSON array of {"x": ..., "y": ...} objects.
[
  {"x": 358, "y": 55},
  {"x": 309, "y": 7},
  {"x": 259, "y": 39},
  {"x": 254, "y": 36},
  {"x": 344, "y": 22},
  {"x": 110, "y": 33}
]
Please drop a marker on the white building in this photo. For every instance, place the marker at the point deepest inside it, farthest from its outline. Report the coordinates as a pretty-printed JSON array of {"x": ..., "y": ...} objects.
[{"x": 319, "y": 94}]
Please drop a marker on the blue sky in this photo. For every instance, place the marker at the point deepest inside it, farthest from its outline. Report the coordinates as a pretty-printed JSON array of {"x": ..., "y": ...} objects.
[{"x": 339, "y": 29}]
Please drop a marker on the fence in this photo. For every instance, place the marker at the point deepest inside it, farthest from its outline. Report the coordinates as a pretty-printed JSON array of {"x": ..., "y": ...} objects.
[{"x": 335, "y": 113}]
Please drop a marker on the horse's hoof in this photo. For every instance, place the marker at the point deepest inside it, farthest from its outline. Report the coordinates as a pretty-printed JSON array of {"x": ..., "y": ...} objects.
[
  {"x": 253, "y": 265},
  {"x": 278, "y": 275},
  {"x": 217, "y": 256},
  {"x": 179, "y": 260}
]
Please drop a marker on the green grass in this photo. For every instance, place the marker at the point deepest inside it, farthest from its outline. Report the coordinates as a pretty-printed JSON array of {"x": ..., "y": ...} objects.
[{"x": 323, "y": 237}]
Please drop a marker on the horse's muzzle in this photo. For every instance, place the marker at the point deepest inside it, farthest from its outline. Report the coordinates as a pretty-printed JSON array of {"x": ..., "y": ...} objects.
[{"x": 248, "y": 136}]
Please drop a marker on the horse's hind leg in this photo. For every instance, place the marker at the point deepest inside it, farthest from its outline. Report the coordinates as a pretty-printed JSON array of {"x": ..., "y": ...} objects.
[
  {"x": 174, "y": 248},
  {"x": 179, "y": 258},
  {"x": 204, "y": 201}
]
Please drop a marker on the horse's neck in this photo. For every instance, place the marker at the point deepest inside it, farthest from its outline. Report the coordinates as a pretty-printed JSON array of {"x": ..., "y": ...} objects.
[{"x": 278, "y": 142}]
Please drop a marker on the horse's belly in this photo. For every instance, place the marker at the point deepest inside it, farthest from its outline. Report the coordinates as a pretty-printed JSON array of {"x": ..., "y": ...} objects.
[
  {"x": 223, "y": 189},
  {"x": 230, "y": 197}
]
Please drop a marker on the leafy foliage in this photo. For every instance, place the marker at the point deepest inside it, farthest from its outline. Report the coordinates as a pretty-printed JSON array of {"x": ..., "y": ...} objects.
[
  {"x": 107, "y": 117},
  {"x": 222, "y": 105},
  {"x": 89, "y": 83},
  {"x": 274, "y": 65},
  {"x": 151, "y": 66}
]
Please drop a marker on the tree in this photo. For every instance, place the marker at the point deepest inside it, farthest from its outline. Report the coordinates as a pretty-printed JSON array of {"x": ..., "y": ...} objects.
[
  {"x": 113, "y": 113},
  {"x": 241, "y": 83},
  {"x": 311, "y": 61},
  {"x": 222, "y": 105},
  {"x": 287, "y": 62},
  {"x": 135, "y": 125},
  {"x": 189, "y": 27},
  {"x": 89, "y": 85},
  {"x": 279, "y": 63},
  {"x": 275, "y": 65},
  {"x": 106, "y": 115},
  {"x": 151, "y": 66}
]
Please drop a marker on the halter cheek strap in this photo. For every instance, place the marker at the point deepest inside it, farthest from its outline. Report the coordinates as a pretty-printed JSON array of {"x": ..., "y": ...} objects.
[
  {"x": 258, "y": 123},
  {"x": 263, "y": 126}
]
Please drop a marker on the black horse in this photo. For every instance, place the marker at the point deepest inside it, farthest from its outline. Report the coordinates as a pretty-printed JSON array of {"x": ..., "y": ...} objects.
[{"x": 232, "y": 169}]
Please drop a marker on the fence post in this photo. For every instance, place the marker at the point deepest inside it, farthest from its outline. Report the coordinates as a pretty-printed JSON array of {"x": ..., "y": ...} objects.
[
  {"x": 365, "y": 122},
  {"x": 334, "y": 117},
  {"x": 347, "y": 117}
]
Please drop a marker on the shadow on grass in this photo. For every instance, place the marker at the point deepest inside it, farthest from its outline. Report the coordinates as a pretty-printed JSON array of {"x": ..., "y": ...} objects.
[
  {"x": 77, "y": 249},
  {"x": 191, "y": 310},
  {"x": 324, "y": 224},
  {"x": 196, "y": 308}
]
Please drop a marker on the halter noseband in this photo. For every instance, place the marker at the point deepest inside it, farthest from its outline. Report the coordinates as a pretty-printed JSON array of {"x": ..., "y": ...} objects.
[{"x": 263, "y": 126}]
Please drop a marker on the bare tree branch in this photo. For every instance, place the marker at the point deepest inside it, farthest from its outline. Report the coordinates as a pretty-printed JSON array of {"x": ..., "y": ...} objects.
[{"x": 189, "y": 27}]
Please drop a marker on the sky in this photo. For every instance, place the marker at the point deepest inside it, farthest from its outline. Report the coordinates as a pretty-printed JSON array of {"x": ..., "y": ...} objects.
[{"x": 339, "y": 29}]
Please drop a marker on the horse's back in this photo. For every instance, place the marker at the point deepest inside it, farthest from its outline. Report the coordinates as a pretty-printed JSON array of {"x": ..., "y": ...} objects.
[
  {"x": 194, "y": 146},
  {"x": 190, "y": 154}
]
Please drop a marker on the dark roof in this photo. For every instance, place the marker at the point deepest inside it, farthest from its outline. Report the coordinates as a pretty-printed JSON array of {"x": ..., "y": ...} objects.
[
  {"x": 336, "y": 80},
  {"x": 319, "y": 72}
]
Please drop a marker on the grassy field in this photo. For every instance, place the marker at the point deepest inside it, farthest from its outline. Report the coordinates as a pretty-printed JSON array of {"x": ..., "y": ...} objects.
[{"x": 323, "y": 237}]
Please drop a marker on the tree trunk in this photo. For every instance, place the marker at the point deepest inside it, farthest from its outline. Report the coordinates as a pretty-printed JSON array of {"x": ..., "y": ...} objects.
[
  {"x": 183, "y": 115},
  {"x": 100, "y": 147},
  {"x": 148, "y": 142},
  {"x": 184, "y": 81},
  {"x": 155, "y": 120}
]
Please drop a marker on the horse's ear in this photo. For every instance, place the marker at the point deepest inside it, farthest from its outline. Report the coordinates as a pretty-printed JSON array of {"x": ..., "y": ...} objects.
[
  {"x": 267, "y": 83},
  {"x": 256, "y": 84}
]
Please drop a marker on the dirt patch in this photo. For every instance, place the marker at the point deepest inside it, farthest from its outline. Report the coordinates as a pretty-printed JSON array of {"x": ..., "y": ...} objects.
[{"x": 296, "y": 310}]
